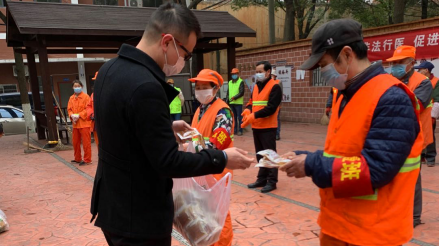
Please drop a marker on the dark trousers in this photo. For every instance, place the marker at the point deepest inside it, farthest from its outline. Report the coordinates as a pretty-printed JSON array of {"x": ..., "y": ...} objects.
[
  {"x": 417, "y": 209},
  {"x": 265, "y": 139},
  {"x": 278, "y": 123},
  {"x": 237, "y": 118},
  {"x": 117, "y": 240},
  {"x": 175, "y": 117},
  {"x": 430, "y": 152}
]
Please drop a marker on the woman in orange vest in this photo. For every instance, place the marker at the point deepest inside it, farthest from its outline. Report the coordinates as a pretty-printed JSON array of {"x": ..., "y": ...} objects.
[
  {"x": 77, "y": 109},
  {"x": 91, "y": 116},
  {"x": 368, "y": 170},
  {"x": 214, "y": 120}
]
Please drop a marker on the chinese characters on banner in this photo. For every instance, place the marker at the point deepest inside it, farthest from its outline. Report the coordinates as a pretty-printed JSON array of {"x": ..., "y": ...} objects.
[
  {"x": 426, "y": 42},
  {"x": 284, "y": 76}
]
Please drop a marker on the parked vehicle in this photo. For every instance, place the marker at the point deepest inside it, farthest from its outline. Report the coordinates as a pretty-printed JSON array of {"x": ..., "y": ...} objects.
[
  {"x": 12, "y": 119},
  {"x": 14, "y": 99}
]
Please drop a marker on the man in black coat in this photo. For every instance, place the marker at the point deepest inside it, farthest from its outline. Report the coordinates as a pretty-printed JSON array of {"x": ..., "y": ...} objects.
[{"x": 138, "y": 156}]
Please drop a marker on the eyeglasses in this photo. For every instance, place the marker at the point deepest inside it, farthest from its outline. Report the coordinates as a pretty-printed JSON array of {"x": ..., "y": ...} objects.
[{"x": 188, "y": 54}]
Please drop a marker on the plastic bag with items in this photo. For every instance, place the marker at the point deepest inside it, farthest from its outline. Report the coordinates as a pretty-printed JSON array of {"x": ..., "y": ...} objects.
[
  {"x": 4, "y": 226},
  {"x": 271, "y": 159},
  {"x": 201, "y": 205}
]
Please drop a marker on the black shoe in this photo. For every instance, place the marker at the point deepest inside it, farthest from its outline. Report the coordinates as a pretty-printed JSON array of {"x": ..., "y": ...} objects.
[
  {"x": 430, "y": 164},
  {"x": 268, "y": 188},
  {"x": 277, "y": 137},
  {"x": 239, "y": 133},
  {"x": 82, "y": 163},
  {"x": 73, "y": 161},
  {"x": 416, "y": 223},
  {"x": 257, "y": 184}
]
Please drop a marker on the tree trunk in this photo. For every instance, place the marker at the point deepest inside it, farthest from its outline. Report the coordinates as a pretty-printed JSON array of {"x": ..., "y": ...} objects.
[
  {"x": 398, "y": 11},
  {"x": 271, "y": 26},
  {"x": 290, "y": 21},
  {"x": 22, "y": 85},
  {"x": 424, "y": 9}
]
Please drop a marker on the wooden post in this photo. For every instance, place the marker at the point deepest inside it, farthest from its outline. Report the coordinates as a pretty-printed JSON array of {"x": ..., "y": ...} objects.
[
  {"x": 47, "y": 89},
  {"x": 231, "y": 57},
  {"x": 200, "y": 62},
  {"x": 35, "y": 88}
]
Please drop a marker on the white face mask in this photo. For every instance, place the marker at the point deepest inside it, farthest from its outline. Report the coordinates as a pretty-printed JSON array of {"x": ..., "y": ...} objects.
[
  {"x": 204, "y": 96},
  {"x": 260, "y": 76},
  {"x": 179, "y": 65}
]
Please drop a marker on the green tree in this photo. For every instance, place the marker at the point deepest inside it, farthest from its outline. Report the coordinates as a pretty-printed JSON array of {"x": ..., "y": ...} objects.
[{"x": 306, "y": 13}]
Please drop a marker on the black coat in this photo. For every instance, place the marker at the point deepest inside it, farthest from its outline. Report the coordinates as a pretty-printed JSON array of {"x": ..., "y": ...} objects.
[{"x": 138, "y": 155}]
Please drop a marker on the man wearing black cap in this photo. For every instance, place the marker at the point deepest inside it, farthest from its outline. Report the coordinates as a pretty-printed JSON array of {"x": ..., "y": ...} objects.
[
  {"x": 368, "y": 170},
  {"x": 425, "y": 69}
]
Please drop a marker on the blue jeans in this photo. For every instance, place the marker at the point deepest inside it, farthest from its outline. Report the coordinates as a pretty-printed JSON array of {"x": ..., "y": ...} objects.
[
  {"x": 278, "y": 124},
  {"x": 237, "y": 118},
  {"x": 175, "y": 117}
]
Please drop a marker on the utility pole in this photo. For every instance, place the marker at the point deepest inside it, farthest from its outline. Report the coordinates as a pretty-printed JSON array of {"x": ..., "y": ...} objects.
[{"x": 271, "y": 21}]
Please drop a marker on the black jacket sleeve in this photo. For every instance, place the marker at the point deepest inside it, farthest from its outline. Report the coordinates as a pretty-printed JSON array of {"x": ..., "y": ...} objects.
[
  {"x": 424, "y": 92},
  {"x": 241, "y": 91},
  {"x": 274, "y": 101},
  {"x": 152, "y": 126}
]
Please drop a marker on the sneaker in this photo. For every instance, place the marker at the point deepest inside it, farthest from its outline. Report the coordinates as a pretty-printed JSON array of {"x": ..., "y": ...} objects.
[{"x": 83, "y": 163}]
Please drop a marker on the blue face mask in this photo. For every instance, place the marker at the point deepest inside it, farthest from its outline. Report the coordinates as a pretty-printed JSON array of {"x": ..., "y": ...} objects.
[
  {"x": 234, "y": 76},
  {"x": 77, "y": 90},
  {"x": 260, "y": 76},
  {"x": 398, "y": 70},
  {"x": 334, "y": 78}
]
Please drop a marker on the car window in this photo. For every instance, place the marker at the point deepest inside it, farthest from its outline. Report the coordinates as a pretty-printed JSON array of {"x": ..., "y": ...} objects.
[
  {"x": 5, "y": 114},
  {"x": 13, "y": 100},
  {"x": 19, "y": 114}
]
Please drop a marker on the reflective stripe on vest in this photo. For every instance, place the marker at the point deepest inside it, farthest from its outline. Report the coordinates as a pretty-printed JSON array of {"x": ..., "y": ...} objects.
[
  {"x": 175, "y": 106},
  {"x": 234, "y": 90},
  {"x": 260, "y": 103}
]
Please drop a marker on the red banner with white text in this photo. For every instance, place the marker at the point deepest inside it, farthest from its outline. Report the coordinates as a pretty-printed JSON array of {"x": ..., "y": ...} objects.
[{"x": 426, "y": 42}]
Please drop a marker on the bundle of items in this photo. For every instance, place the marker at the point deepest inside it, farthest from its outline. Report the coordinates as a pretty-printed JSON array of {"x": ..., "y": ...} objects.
[
  {"x": 195, "y": 139},
  {"x": 4, "y": 226},
  {"x": 271, "y": 159}
]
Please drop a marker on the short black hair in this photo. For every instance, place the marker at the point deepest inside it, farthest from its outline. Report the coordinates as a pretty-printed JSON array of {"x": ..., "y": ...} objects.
[
  {"x": 267, "y": 65},
  {"x": 172, "y": 18},
  {"x": 76, "y": 82},
  {"x": 358, "y": 47}
]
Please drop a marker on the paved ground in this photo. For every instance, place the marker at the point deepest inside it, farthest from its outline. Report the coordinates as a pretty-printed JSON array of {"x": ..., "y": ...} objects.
[{"x": 47, "y": 200}]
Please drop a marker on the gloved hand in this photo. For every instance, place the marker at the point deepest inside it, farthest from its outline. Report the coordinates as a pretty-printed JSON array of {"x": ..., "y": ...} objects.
[
  {"x": 246, "y": 112},
  {"x": 249, "y": 119},
  {"x": 328, "y": 109}
]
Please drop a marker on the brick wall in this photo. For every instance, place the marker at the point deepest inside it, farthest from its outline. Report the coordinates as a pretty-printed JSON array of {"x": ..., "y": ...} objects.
[{"x": 307, "y": 101}]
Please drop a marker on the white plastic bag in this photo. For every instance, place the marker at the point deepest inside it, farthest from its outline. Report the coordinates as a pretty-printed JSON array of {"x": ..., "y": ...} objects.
[
  {"x": 435, "y": 110},
  {"x": 4, "y": 226},
  {"x": 201, "y": 205}
]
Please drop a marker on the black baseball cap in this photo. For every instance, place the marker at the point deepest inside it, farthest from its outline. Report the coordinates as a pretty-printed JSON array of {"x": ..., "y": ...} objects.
[
  {"x": 427, "y": 65},
  {"x": 330, "y": 35}
]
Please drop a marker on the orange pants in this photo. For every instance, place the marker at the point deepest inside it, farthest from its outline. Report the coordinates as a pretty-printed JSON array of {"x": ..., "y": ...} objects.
[
  {"x": 95, "y": 135},
  {"x": 84, "y": 135},
  {"x": 326, "y": 240},
  {"x": 226, "y": 236}
]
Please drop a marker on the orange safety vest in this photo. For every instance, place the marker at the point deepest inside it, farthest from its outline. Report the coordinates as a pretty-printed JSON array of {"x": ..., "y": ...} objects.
[
  {"x": 434, "y": 81},
  {"x": 386, "y": 217},
  {"x": 414, "y": 81},
  {"x": 205, "y": 127},
  {"x": 260, "y": 101}
]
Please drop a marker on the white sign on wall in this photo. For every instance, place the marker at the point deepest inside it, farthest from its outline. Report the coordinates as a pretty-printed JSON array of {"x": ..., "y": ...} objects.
[{"x": 284, "y": 76}]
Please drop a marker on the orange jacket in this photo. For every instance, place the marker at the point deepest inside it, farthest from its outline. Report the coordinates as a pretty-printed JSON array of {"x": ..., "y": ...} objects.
[
  {"x": 259, "y": 101},
  {"x": 205, "y": 127},
  {"x": 386, "y": 216},
  {"x": 90, "y": 113},
  {"x": 78, "y": 105},
  {"x": 414, "y": 81}
]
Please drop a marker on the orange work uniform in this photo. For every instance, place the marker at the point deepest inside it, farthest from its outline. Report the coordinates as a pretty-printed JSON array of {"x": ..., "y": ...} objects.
[
  {"x": 219, "y": 138},
  {"x": 385, "y": 217},
  {"x": 90, "y": 114},
  {"x": 81, "y": 129}
]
